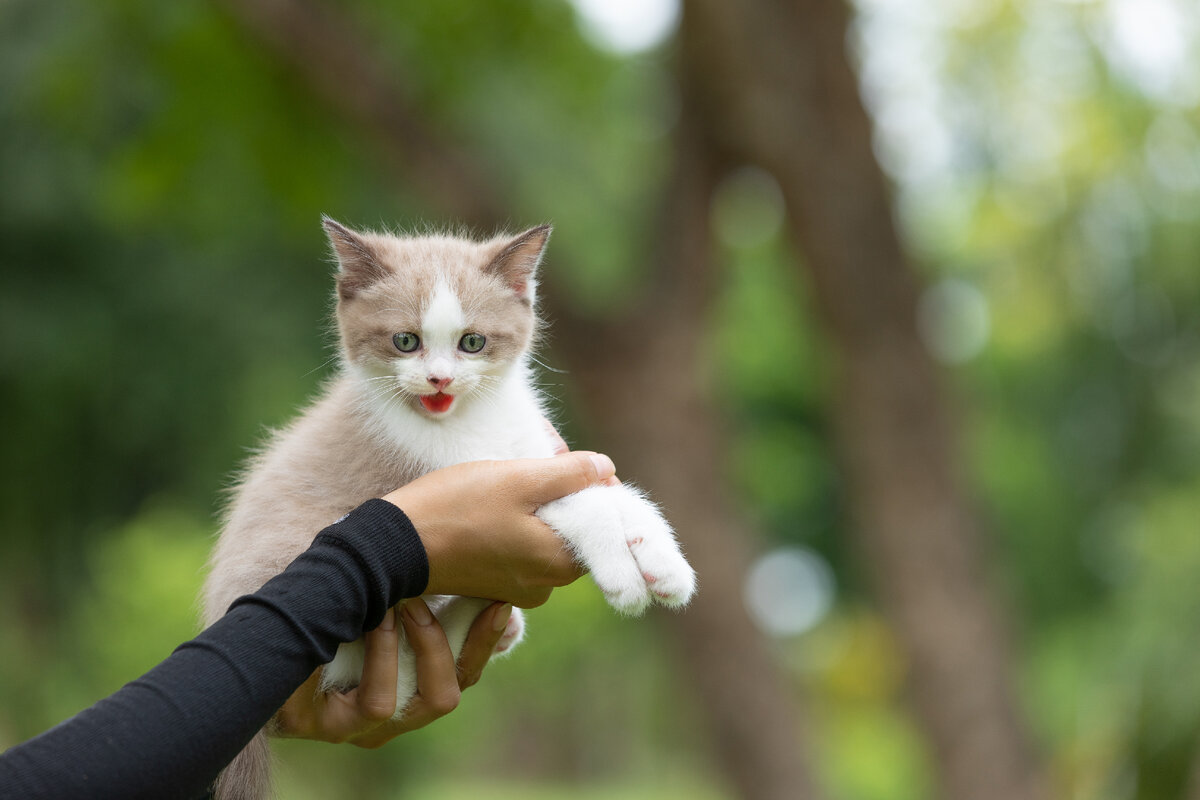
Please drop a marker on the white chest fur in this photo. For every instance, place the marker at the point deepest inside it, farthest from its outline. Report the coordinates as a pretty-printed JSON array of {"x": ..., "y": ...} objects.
[{"x": 507, "y": 422}]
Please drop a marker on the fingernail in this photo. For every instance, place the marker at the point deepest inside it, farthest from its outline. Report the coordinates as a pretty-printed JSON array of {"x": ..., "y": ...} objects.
[
  {"x": 500, "y": 618},
  {"x": 604, "y": 465},
  {"x": 418, "y": 611},
  {"x": 389, "y": 620}
]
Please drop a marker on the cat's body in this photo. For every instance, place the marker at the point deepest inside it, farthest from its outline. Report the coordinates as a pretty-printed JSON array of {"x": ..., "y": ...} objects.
[{"x": 435, "y": 333}]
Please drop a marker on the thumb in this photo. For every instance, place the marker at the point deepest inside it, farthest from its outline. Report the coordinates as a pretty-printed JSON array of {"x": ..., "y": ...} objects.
[{"x": 552, "y": 478}]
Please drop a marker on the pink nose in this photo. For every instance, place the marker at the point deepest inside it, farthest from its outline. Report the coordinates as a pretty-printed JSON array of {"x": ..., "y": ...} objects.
[{"x": 439, "y": 383}]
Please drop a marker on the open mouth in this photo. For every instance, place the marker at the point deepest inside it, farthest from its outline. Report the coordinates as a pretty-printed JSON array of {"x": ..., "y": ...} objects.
[{"x": 437, "y": 403}]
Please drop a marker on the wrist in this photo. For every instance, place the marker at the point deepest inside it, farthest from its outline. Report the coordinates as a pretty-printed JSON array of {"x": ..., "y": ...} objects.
[
  {"x": 428, "y": 524},
  {"x": 385, "y": 543}
]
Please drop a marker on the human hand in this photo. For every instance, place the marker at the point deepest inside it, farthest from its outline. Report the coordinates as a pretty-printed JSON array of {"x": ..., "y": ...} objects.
[
  {"x": 362, "y": 716},
  {"x": 561, "y": 446},
  {"x": 478, "y": 526}
]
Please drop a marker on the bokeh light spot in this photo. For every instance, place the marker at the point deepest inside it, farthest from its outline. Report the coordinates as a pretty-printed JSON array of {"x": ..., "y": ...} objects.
[
  {"x": 788, "y": 591},
  {"x": 954, "y": 321},
  {"x": 627, "y": 26}
]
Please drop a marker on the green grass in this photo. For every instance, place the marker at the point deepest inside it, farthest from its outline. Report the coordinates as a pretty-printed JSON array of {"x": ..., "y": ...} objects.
[{"x": 678, "y": 787}]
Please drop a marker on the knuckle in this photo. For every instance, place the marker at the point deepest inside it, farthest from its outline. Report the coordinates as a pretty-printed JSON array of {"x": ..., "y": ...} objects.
[
  {"x": 566, "y": 574},
  {"x": 586, "y": 470},
  {"x": 377, "y": 709},
  {"x": 444, "y": 702},
  {"x": 533, "y": 596}
]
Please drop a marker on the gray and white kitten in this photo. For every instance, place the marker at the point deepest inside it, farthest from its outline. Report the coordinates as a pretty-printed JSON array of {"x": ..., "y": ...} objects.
[{"x": 435, "y": 340}]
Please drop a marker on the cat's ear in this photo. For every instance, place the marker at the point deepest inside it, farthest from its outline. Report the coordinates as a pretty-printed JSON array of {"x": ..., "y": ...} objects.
[
  {"x": 517, "y": 261},
  {"x": 360, "y": 265}
]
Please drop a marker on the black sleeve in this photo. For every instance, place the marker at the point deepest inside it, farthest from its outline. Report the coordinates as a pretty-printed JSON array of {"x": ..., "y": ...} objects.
[{"x": 168, "y": 733}]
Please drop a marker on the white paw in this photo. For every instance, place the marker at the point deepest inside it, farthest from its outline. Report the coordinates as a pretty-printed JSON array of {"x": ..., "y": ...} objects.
[
  {"x": 591, "y": 525},
  {"x": 666, "y": 573},
  {"x": 626, "y": 545},
  {"x": 514, "y": 632},
  {"x": 623, "y": 586}
]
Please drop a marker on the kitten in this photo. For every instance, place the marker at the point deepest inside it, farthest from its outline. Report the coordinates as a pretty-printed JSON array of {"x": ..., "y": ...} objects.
[{"x": 436, "y": 335}]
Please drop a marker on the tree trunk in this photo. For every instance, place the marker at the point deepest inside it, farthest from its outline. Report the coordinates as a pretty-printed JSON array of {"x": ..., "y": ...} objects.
[
  {"x": 781, "y": 94},
  {"x": 641, "y": 378},
  {"x": 1193, "y": 787},
  {"x": 646, "y": 385}
]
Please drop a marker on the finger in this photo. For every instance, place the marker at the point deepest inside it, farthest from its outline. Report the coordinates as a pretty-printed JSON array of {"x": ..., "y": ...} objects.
[
  {"x": 376, "y": 693},
  {"x": 437, "y": 677},
  {"x": 560, "y": 445},
  {"x": 297, "y": 717},
  {"x": 481, "y": 642},
  {"x": 559, "y": 566},
  {"x": 552, "y": 478}
]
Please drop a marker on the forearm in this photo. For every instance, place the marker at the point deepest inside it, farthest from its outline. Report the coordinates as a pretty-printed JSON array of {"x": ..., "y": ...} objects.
[{"x": 168, "y": 733}]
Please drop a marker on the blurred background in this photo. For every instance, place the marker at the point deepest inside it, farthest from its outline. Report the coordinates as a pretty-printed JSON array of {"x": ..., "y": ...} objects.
[{"x": 892, "y": 305}]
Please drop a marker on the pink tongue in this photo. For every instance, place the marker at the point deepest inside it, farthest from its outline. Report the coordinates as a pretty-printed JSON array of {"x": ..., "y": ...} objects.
[{"x": 437, "y": 403}]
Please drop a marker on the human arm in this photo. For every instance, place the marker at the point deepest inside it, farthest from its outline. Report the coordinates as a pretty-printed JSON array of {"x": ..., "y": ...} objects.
[{"x": 170, "y": 732}]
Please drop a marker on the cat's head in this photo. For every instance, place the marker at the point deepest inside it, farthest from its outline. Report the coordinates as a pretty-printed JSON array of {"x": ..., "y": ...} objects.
[{"x": 434, "y": 322}]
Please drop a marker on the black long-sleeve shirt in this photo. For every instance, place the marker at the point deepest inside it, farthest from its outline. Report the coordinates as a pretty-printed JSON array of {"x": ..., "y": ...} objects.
[{"x": 170, "y": 732}]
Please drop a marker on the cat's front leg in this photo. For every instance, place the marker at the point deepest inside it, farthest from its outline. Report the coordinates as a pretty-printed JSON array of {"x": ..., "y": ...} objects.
[
  {"x": 626, "y": 544},
  {"x": 454, "y": 614}
]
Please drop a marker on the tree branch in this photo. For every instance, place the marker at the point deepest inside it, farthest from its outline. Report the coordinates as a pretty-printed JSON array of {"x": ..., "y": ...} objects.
[{"x": 335, "y": 61}]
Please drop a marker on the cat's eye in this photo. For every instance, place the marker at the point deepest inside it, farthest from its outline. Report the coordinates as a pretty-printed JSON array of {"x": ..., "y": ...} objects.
[
  {"x": 406, "y": 342},
  {"x": 471, "y": 342}
]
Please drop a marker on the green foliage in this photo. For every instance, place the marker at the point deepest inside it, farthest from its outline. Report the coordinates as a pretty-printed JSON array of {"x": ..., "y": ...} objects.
[
  {"x": 139, "y": 604},
  {"x": 164, "y": 291}
]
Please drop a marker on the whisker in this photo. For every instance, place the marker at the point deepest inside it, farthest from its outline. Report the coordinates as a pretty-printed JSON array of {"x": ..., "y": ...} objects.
[
  {"x": 546, "y": 366},
  {"x": 322, "y": 365},
  {"x": 388, "y": 390}
]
